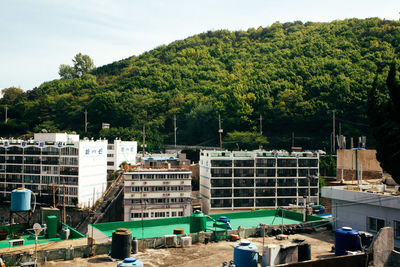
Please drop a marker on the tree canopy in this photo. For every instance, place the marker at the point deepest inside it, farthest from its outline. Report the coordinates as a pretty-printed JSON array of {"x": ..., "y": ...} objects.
[
  {"x": 384, "y": 115},
  {"x": 293, "y": 74},
  {"x": 82, "y": 64}
]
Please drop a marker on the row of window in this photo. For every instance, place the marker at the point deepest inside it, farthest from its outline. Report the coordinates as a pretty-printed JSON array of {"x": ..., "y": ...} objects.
[
  {"x": 273, "y": 162},
  {"x": 263, "y": 192},
  {"x": 35, "y": 179},
  {"x": 159, "y": 201},
  {"x": 159, "y": 176},
  {"x": 157, "y": 214},
  {"x": 262, "y": 202},
  {"x": 219, "y": 172},
  {"x": 159, "y": 188},
  {"x": 263, "y": 182},
  {"x": 37, "y": 170},
  {"x": 39, "y": 160},
  {"x": 39, "y": 151}
]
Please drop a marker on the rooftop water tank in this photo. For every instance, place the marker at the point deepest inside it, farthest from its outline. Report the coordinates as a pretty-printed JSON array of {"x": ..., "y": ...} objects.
[
  {"x": 21, "y": 199},
  {"x": 245, "y": 254},
  {"x": 121, "y": 244},
  {"x": 130, "y": 262},
  {"x": 198, "y": 222},
  {"x": 346, "y": 239}
]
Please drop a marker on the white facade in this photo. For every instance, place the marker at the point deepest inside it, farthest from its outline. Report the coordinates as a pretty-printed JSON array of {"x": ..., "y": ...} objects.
[
  {"x": 256, "y": 179},
  {"x": 364, "y": 210},
  {"x": 119, "y": 152},
  {"x": 157, "y": 193},
  {"x": 55, "y": 161}
]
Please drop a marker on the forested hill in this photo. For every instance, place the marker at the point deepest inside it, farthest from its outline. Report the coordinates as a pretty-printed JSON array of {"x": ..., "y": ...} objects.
[{"x": 293, "y": 74}]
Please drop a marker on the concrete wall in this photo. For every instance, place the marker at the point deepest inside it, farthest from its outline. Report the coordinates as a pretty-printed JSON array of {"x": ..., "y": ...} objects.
[
  {"x": 342, "y": 261},
  {"x": 367, "y": 162}
]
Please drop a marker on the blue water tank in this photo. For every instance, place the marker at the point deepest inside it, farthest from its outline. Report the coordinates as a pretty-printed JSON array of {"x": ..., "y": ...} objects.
[
  {"x": 21, "y": 199},
  {"x": 346, "y": 239},
  {"x": 130, "y": 262},
  {"x": 245, "y": 254}
]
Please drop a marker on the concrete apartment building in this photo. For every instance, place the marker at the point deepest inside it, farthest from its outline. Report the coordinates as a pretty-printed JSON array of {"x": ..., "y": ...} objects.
[
  {"x": 55, "y": 161},
  {"x": 369, "y": 209},
  {"x": 121, "y": 151},
  {"x": 256, "y": 179},
  {"x": 160, "y": 187}
]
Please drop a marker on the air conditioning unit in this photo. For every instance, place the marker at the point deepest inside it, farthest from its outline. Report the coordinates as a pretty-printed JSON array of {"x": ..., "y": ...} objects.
[
  {"x": 182, "y": 182},
  {"x": 182, "y": 194},
  {"x": 144, "y": 182},
  {"x": 144, "y": 195},
  {"x": 170, "y": 241},
  {"x": 186, "y": 241}
]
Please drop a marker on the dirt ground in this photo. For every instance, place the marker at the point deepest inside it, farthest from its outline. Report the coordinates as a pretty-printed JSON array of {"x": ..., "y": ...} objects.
[{"x": 201, "y": 255}]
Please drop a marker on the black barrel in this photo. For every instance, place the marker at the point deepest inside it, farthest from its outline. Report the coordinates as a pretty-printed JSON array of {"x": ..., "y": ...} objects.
[
  {"x": 121, "y": 244},
  {"x": 304, "y": 250}
]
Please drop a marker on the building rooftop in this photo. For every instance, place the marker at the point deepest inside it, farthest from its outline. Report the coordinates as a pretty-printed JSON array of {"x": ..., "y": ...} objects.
[
  {"x": 161, "y": 227},
  {"x": 378, "y": 195},
  {"x": 29, "y": 237}
]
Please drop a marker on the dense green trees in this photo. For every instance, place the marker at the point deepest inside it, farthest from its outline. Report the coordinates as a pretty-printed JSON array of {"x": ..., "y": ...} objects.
[
  {"x": 384, "y": 115},
  {"x": 293, "y": 74}
]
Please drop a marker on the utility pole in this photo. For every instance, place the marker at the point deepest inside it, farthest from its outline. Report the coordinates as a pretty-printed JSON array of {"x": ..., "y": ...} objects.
[
  {"x": 86, "y": 123},
  {"x": 6, "y": 119},
  {"x": 144, "y": 140},
  {"x": 292, "y": 139},
  {"x": 340, "y": 129},
  {"x": 175, "y": 130},
  {"x": 261, "y": 132},
  {"x": 334, "y": 134},
  {"x": 220, "y": 131},
  {"x": 64, "y": 211}
]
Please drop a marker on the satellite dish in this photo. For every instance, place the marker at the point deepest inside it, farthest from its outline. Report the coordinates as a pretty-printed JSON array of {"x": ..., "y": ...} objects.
[{"x": 37, "y": 228}]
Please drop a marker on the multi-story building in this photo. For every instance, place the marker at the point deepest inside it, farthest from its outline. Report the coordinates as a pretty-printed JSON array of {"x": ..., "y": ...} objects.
[
  {"x": 159, "y": 188},
  {"x": 257, "y": 179},
  {"x": 121, "y": 151},
  {"x": 54, "y": 163}
]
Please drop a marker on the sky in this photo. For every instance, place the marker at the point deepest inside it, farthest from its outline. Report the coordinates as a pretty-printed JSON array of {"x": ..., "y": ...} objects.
[{"x": 37, "y": 36}]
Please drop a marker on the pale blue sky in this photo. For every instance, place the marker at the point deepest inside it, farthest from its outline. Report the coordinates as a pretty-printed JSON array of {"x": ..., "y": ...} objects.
[{"x": 36, "y": 36}]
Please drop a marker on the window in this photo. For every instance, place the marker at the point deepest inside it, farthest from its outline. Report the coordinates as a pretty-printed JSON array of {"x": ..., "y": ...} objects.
[
  {"x": 396, "y": 229},
  {"x": 374, "y": 224}
]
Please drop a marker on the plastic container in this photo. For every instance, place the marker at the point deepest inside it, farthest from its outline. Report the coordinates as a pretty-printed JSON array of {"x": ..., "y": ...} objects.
[
  {"x": 52, "y": 225},
  {"x": 346, "y": 239},
  {"x": 21, "y": 199},
  {"x": 121, "y": 244},
  {"x": 245, "y": 254},
  {"x": 198, "y": 222},
  {"x": 130, "y": 262}
]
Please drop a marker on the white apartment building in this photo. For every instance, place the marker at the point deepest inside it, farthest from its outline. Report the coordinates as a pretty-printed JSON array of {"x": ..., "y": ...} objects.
[
  {"x": 119, "y": 152},
  {"x": 55, "y": 161},
  {"x": 369, "y": 209},
  {"x": 159, "y": 191},
  {"x": 257, "y": 179}
]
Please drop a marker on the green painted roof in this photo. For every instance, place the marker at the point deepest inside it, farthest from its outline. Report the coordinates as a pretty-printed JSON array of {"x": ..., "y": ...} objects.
[{"x": 160, "y": 227}]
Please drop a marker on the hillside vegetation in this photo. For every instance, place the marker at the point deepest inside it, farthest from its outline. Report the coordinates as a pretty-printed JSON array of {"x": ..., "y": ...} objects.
[{"x": 293, "y": 74}]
